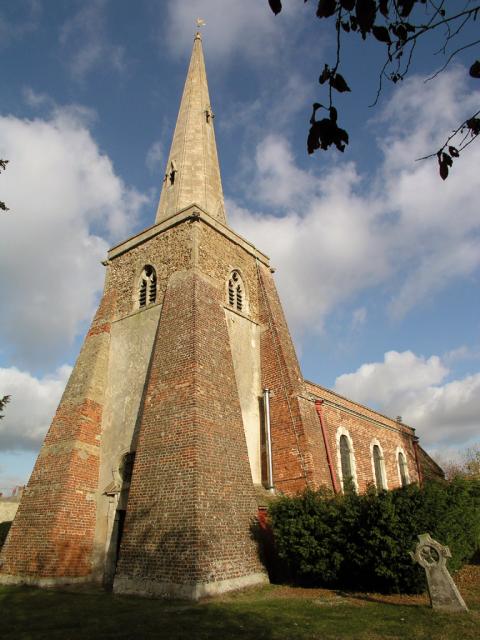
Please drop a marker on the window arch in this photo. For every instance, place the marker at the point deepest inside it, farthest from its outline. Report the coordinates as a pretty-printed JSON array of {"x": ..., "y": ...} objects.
[
  {"x": 147, "y": 291},
  {"x": 346, "y": 458},
  {"x": 402, "y": 468},
  {"x": 378, "y": 465},
  {"x": 236, "y": 298}
]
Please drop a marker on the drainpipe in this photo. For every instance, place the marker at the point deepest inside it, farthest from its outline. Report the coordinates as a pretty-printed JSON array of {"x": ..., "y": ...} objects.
[
  {"x": 268, "y": 439},
  {"x": 417, "y": 460},
  {"x": 333, "y": 475}
]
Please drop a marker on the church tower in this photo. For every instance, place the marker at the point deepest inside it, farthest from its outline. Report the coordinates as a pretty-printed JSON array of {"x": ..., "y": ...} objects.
[{"x": 150, "y": 474}]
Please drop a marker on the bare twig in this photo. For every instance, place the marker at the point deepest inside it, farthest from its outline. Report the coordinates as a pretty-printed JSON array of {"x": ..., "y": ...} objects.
[{"x": 450, "y": 58}]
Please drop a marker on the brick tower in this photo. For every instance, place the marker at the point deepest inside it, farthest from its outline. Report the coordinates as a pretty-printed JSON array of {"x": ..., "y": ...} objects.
[{"x": 149, "y": 476}]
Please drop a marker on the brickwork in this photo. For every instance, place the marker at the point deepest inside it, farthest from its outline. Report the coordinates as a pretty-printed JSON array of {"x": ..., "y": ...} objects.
[
  {"x": 365, "y": 426},
  {"x": 218, "y": 257},
  {"x": 191, "y": 499},
  {"x": 298, "y": 452},
  {"x": 167, "y": 252},
  {"x": 52, "y": 535}
]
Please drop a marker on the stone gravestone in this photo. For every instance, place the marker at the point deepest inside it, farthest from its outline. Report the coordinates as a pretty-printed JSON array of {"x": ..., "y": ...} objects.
[{"x": 432, "y": 556}]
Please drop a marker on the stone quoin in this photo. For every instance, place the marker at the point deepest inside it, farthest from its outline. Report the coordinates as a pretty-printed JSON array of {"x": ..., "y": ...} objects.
[{"x": 157, "y": 460}]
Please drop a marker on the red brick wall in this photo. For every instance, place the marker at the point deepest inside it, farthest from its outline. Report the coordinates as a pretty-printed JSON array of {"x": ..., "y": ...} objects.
[{"x": 365, "y": 426}]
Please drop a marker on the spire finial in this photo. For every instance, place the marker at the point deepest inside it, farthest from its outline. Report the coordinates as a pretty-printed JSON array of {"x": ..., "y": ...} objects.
[{"x": 200, "y": 23}]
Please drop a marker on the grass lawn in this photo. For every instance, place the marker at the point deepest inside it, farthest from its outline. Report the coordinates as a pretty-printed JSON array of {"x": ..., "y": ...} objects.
[{"x": 272, "y": 612}]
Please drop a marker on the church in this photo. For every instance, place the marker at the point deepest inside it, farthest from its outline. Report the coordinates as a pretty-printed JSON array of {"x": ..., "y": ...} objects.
[{"x": 187, "y": 411}]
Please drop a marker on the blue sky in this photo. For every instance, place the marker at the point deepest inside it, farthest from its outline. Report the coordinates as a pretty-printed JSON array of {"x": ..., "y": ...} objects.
[{"x": 377, "y": 259}]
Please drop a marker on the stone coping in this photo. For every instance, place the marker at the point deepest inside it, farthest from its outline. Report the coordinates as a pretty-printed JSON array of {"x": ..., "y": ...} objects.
[
  {"x": 193, "y": 212},
  {"x": 383, "y": 421}
]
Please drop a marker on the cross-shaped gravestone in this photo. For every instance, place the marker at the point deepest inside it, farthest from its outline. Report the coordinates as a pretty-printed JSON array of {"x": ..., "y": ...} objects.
[{"x": 443, "y": 592}]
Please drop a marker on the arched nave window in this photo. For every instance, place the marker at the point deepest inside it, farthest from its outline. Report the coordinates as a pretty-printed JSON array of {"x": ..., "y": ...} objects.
[{"x": 346, "y": 459}]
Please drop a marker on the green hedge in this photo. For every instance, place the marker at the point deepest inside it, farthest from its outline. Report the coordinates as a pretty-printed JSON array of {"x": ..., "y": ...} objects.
[{"x": 361, "y": 542}]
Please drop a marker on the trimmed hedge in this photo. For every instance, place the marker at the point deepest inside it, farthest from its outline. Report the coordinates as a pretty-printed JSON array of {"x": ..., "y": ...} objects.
[{"x": 361, "y": 542}]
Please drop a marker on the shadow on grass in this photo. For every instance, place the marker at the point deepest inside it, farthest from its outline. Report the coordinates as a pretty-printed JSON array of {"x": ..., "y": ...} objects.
[
  {"x": 406, "y": 601},
  {"x": 266, "y": 613}
]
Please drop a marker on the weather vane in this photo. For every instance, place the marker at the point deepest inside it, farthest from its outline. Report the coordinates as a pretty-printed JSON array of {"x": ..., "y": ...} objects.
[{"x": 200, "y": 23}]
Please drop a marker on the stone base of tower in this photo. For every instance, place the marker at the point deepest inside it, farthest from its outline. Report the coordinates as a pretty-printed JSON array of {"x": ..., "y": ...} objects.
[
  {"x": 194, "y": 591},
  {"x": 46, "y": 583}
]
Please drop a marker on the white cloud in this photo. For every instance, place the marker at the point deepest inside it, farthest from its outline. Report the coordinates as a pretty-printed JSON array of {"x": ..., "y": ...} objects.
[
  {"x": 31, "y": 408},
  {"x": 65, "y": 203},
  {"x": 334, "y": 235},
  {"x": 439, "y": 222},
  {"x": 84, "y": 38},
  {"x": 323, "y": 244},
  {"x": 444, "y": 412},
  {"x": 279, "y": 181},
  {"x": 246, "y": 31}
]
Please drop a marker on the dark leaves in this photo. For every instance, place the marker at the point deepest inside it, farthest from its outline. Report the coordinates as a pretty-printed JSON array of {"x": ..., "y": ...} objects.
[
  {"x": 348, "y": 5},
  {"x": 475, "y": 69},
  {"x": 3, "y": 206},
  {"x": 338, "y": 82},
  {"x": 325, "y": 75},
  {"x": 381, "y": 34},
  {"x": 405, "y": 7},
  {"x": 275, "y": 6},
  {"x": 383, "y": 8},
  {"x": 3, "y": 164},
  {"x": 444, "y": 162},
  {"x": 326, "y": 8},
  {"x": 366, "y": 10},
  {"x": 453, "y": 151},
  {"x": 326, "y": 132},
  {"x": 335, "y": 80},
  {"x": 474, "y": 125},
  {"x": 400, "y": 31}
]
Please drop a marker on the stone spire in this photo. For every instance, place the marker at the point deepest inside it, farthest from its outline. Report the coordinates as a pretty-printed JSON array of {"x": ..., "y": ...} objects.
[{"x": 192, "y": 174}]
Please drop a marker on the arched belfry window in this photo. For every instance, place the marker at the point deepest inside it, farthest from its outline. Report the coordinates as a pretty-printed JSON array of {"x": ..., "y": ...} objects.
[
  {"x": 147, "y": 293},
  {"x": 402, "y": 468},
  {"x": 346, "y": 459},
  {"x": 236, "y": 292},
  {"x": 378, "y": 463}
]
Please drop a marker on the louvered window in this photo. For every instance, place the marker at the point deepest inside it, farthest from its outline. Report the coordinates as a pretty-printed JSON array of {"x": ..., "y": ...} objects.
[
  {"x": 147, "y": 293},
  {"x": 236, "y": 292}
]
